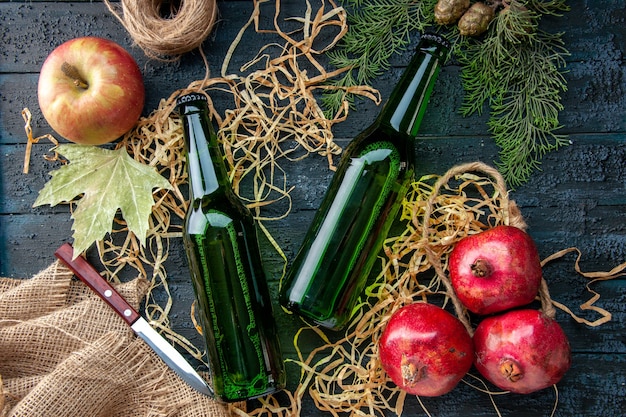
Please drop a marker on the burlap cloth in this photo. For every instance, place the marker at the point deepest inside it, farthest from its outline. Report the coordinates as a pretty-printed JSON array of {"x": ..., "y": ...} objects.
[{"x": 64, "y": 352}]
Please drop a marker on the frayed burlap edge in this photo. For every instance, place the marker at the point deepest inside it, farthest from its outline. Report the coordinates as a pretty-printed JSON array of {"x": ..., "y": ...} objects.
[{"x": 105, "y": 370}]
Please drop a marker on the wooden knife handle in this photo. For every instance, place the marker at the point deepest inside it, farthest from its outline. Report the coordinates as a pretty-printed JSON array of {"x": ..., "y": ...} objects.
[{"x": 88, "y": 274}]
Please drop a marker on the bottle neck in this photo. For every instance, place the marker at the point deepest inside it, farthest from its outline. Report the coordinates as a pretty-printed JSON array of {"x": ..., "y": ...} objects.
[
  {"x": 407, "y": 104},
  {"x": 205, "y": 165}
]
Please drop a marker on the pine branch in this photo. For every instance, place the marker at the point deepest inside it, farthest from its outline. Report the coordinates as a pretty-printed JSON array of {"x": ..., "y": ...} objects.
[
  {"x": 378, "y": 29},
  {"x": 514, "y": 70}
]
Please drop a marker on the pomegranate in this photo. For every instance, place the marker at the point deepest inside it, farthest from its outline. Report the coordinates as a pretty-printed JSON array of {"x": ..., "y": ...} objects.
[
  {"x": 425, "y": 350},
  {"x": 521, "y": 351},
  {"x": 495, "y": 270}
]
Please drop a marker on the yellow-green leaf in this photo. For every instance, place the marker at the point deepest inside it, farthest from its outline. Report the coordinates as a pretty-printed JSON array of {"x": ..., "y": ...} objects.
[{"x": 107, "y": 180}]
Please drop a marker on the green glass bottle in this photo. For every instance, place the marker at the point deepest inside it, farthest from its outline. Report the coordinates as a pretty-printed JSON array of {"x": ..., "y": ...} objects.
[
  {"x": 221, "y": 244},
  {"x": 332, "y": 266}
]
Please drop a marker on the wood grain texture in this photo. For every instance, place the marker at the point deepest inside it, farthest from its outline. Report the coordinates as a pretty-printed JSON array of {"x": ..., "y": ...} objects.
[{"x": 578, "y": 199}]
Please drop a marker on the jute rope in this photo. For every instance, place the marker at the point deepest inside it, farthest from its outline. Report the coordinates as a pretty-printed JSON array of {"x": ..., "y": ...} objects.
[
  {"x": 512, "y": 217},
  {"x": 166, "y": 30}
]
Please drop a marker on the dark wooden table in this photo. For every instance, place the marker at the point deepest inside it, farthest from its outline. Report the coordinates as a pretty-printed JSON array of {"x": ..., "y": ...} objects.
[{"x": 577, "y": 199}]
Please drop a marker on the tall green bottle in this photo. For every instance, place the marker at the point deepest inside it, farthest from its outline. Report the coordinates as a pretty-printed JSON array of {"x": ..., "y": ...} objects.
[
  {"x": 222, "y": 248},
  {"x": 330, "y": 270}
]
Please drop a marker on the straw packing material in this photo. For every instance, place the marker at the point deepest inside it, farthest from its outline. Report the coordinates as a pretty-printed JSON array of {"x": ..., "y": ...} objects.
[{"x": 163, "y": 29}]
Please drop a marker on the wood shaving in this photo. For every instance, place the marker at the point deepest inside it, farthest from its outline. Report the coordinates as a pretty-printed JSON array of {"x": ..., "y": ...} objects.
[
  {"x": 30, "y": 140},
  {"x": 345, "y": 376},
  {"x": 274, "y": 119},
  {"x": 276, "y": 115}
]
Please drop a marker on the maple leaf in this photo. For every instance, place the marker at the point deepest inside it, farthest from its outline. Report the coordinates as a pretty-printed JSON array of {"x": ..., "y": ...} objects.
[{"x": 108, "y": 180}]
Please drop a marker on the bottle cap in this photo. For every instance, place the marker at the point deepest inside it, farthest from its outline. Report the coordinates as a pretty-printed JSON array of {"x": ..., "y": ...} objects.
[
  {"x": 434, "y": 37},
  {"x": 188, "y": 98}
]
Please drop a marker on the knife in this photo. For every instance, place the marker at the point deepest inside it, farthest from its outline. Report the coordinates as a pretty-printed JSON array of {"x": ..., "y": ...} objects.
[{"x": 88, "y": 274}]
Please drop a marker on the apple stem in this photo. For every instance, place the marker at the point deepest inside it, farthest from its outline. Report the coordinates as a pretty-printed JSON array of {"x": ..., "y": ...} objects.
[
  {"x": 481, "y": 268},
  {"x": 70, "y": 71}
]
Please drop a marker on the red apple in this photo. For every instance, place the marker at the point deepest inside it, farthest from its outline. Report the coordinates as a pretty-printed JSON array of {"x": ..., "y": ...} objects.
[
  {"x": 90, "y": 90},
  {"x": 495, "y": 270}
]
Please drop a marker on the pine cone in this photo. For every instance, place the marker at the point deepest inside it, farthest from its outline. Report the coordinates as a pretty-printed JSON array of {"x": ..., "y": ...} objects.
[
  {"x": 449, "y": 11},
  {"x": 476, "y": 20}
]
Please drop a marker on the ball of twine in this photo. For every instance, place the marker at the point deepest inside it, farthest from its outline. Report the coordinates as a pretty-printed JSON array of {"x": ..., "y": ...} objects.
[{"x": 164, "y": 30}]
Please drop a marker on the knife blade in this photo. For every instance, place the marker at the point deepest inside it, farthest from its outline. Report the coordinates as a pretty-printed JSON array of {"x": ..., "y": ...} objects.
[{"x": 88, "y": 274}]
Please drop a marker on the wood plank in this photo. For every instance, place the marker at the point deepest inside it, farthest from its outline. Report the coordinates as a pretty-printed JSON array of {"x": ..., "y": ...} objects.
[
  {"x": 32, "y": 29},
  {"x": 592, "y": 105},
  {"x": 593, "y": 114},
  {"x": 27, "y": 243},
  {"x": 581, "y": 394},
  {"x": 590, "y": 172},
  {"x": 578, "y": 199},
  {"x": 39, "y": 235}
]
